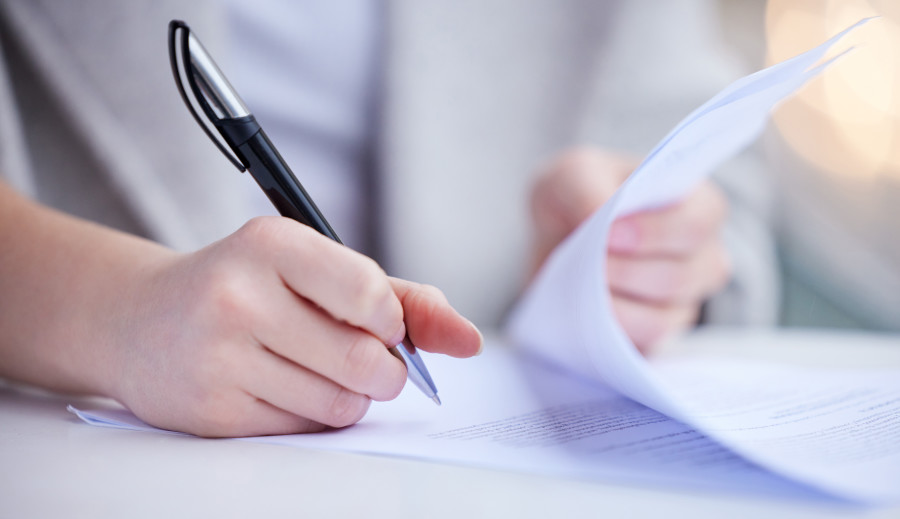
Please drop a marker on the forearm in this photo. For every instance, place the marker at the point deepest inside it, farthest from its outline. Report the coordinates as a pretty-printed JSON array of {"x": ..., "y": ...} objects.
[{"x": 60, "y": 281}]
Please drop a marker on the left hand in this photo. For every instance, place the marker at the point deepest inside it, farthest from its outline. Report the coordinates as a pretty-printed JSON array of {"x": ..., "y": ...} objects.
[{"x": 662, "y": 264}]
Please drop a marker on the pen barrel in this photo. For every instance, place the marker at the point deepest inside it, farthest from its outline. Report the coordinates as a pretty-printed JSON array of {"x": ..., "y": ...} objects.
[{"x": 271, "y": 172}]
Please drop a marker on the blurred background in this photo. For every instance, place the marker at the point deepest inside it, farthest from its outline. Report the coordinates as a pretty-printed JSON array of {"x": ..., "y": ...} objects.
[{"x": 834, "y": 154}]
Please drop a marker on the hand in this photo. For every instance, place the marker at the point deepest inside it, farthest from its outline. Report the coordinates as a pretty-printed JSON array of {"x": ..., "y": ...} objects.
[
  {"x": 273, "y": 330},
  {"x": 662, "y": 264}
]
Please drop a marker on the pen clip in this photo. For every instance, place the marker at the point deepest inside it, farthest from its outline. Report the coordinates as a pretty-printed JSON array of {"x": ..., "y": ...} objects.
[{"x": 200, "y": 99}]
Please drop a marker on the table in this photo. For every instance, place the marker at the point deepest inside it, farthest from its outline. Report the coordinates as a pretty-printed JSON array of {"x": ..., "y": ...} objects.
[{"x": 55, "y": 466}]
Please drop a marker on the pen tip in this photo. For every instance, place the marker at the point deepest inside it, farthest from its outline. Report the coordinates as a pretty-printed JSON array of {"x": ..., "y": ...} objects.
[{"x": 436, "y": 400}]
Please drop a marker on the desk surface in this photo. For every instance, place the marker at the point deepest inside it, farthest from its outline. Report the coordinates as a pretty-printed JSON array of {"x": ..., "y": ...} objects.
[{"x": 55, "y": 466}]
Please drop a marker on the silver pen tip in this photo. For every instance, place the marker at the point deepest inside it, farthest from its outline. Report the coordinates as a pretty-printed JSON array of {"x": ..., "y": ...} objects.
[{"x": 436, "y": 400}]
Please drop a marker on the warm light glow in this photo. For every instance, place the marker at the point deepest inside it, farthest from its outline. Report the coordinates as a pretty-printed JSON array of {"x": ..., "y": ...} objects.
[{"x": 847, "y": 121}]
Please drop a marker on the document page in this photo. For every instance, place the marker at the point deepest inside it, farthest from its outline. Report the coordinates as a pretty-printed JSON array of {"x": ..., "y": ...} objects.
[
  {"x": 567, "y": 319},
  {"x": 823, "y": 434},
  {"x": 568, "y": 304},
  {"x": 506, "y": 411},
  {"x": 838, "y": 430}
]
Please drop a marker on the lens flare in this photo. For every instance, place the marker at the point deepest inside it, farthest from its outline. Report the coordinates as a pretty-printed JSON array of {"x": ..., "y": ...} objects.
[{"x": 848, "y": 121}]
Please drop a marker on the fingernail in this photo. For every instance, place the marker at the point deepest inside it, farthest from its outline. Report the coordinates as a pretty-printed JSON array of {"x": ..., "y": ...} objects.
[
  {"x": 480, "y": 339},
  {"x": 398, "y": 337},
  {"x": 623, "y": 236}
]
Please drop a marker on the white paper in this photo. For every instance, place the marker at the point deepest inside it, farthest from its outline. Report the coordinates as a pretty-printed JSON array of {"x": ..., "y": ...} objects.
[
  {"x": 566, "y": 318},
  {"x": 603, "y": 411},
  {"x": 505, "y": 411},
  {"x": 566, "y": 314},
  {"x": 835, "y": 430}
]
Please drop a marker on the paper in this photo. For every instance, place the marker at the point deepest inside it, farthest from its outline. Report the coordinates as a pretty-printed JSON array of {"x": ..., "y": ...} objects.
[
  {"x": 836, "y": 430},
  {"x": 602, "y": 411},
  {"x": 506, "y": 411},
  {"x": 566, "y": 318}
]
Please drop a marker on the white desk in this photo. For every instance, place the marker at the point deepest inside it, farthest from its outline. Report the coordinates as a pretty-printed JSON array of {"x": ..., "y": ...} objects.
[{"x": 55, "y": 466}]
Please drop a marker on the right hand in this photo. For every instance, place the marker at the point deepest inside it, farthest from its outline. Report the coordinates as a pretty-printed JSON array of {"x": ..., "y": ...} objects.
[{"x": 273, "y": 330}]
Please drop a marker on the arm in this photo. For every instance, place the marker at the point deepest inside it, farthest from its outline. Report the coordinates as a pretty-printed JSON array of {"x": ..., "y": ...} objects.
[{"x": 274, "y": 329}]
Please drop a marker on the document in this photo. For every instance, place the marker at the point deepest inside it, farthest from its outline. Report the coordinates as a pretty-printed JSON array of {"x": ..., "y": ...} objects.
[
  {"x": 574, "y": 398},
  {"x": 508, "y": 411},
  {"x": 801, "y": 425}
]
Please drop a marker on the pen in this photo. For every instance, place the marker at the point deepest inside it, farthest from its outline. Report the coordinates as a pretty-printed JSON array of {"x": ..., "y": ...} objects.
[{"x": 252, "y": 150}]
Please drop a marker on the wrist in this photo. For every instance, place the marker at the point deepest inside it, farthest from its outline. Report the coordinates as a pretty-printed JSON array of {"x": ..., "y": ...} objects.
[{"x": 127, "y": 319}]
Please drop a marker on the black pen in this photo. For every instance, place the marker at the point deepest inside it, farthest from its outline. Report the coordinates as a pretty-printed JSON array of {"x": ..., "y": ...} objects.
[{"x": 252, "y": 150}]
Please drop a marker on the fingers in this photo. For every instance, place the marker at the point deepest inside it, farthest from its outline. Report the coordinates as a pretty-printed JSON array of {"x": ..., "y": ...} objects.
[
  {"x": 648, "y": 324},
  {"x": 348, "y": 356},
  {"x": 656, "y": 297},
  {"x": 301, "y": 392},
  {"x": 278, "y": 330},
  {"x": 266, "y": 419},
  {"x": 275, "y": 329},
  {"x": 663, "y": 264},
  {"x": 331, "y": 383},
  {"x": 673, "y": 231},
  {"x": 667, "y": 280},
  {"x": 256, "y": 418},
  {"x": 347, "y": 285},
  {"x": 433, "y": 324}
]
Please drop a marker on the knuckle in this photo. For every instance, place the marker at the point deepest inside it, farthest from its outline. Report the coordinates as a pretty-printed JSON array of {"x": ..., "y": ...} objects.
[
  {"x": 427, "y": 298},
  {"x": 423, "y": 304},
  {"x": 394, "y": 385},
  {"x": 346, "y": 408},
  {"x": 389, "y": 383},
  {"x": 433, "y": 293},
  {"x": 370, "y": 288},
  {"x": 361, "y": 359},
  {"x": 225, "y": 295},
  {"x": 262, "y": 231}
]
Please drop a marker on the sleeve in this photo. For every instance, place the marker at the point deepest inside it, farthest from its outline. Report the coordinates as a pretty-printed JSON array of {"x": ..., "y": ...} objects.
[{"x": 14, "y": 167}]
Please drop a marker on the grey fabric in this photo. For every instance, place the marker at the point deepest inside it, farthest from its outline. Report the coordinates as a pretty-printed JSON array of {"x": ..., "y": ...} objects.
[
  {"x": 477, "y": 96},
  {"x": 107, "y": 136},
  {"x": 14, "y": 166},
  {"x": 481, "y": 94},
  {"x": 838, "y": 235}
]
